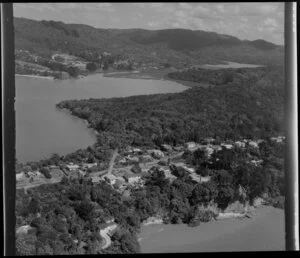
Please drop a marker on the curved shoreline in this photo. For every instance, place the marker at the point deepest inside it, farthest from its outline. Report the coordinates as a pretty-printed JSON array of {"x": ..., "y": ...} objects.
[{"x": 263, "y": 232}]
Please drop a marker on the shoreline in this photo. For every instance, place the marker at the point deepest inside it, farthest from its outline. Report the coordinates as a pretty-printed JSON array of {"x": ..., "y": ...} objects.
[
  {"x": 263, "y": 232},
  {"x": 159, "y": 75},
  {"x": 79, "y": 119},
  {"x": 35, "y": 76}
]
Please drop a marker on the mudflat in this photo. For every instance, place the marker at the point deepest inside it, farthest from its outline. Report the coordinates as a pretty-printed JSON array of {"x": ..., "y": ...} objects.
[{"x": 263, "y": 232}]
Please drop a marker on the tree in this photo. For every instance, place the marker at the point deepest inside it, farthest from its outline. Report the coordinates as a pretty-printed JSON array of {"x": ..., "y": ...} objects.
[
  {"x": 136, "y": 168},
  {"x": 25, "y": 244},
  {"x": 91, "y": 67},
  {"x": 45, "y": 171},
  {"x": 204, "y": 193},
  {"x": 34, "y": 206},
  {"x": 73, "y": 71}
]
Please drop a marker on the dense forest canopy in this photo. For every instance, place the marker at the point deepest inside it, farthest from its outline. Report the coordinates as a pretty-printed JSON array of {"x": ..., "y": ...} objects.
[{"x": 240, "y": 103}]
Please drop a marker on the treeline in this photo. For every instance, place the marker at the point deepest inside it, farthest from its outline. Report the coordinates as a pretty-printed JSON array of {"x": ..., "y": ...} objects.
[{"x": 249, "y": 105}]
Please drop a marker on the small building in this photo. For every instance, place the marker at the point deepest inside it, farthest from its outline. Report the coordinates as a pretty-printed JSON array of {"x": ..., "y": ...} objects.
[
  {"x": 131, "y": 178},
  {"x": 123, "y": 161},
  {"x": 53, "y": 167},
  {"x": 133, "y": 158},
  {"x": 20, "y": 176},
  {"x": 184, "y": 166},
  {"x": 72, "y": 167},
  {"x": 81, "y": 172},
  {"x": 178, "y": 148},
  {"x": 227, "y": 146},
  {"x": 166, "y": 147},
  {"x": 190, "y": 145},
  {"x": 208, "y": 140},
  {"x": 209, "y": 151},
  {"x": 278, "y": 139},
  {"x": 240, "y": 144},
  {"x": 31, "y": 174},
  {"x": 257, "y": 162},
  {"x": 39, "y": 174},
  {"x": 89, "y": 165},
  {"x": 253, "y": 144},
  {"x": 111, "y": 179}
]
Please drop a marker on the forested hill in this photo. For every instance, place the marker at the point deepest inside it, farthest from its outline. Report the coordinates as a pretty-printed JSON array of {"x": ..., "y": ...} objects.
[
  {"x": 160, "y": 46},
  {"x": 250, "y": 104}
]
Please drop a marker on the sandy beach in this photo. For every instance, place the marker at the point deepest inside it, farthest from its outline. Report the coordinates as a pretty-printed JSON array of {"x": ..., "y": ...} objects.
[
  {"x": 35, "y": 76},
  {"x": 264, "y": 232}
]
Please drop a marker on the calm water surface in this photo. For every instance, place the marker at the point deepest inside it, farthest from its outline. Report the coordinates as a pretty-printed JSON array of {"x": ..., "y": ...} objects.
[
  {"x": 41, "y": 129},
  {"x": 263, "y": 232}
]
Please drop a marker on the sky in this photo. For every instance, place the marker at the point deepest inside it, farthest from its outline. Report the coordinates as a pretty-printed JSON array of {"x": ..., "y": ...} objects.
[{"x": 259, "y": 20}]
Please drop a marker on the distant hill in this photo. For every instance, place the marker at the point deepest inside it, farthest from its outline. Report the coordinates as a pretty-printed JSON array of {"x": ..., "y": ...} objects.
[{"x": 169, "y": 45}]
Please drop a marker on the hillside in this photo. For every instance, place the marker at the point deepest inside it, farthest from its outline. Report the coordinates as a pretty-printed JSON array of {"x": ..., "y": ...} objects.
[{"x": 174, "y": 46}]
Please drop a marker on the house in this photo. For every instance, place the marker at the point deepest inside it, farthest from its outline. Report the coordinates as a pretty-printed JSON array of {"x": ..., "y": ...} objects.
[
  {"x": 83, "y": 173},
  {"x": 89, "y": 165},
  {"x": 72, "y": 167},
  {"x": 190, "y": 145},
  {"x": 133, "y": 158},
  {"x": 209, "y": 151},
  {"x": 166, "y": 147},
  {"x": 168, "y": 174},
  {"x": 20, "y": 176},
  {"x": 184, "y": 166},
  {"x": 278, "y": 139},
  {"x": 227, "y": 146},
  {"x": 123, "y": 161},
  {"x": 39, "y": 174},
  {"x": 253, "y": 144},
  {"x": 109, "y": 220},
  {"x": 31, "y": 174},
  {"x": 156, "y": 154},
  {"x": 178, "y": 148},
  {"x": 110, "y": 179},
  {"x": 53, "y": 167},
  {"x": 208, "y": 140},
  {"x": 257, "y": 162},
  {"x": 240, "y": 144},
  {"x": 136, "y": 150},
  {"x": 131, "y": 178}
]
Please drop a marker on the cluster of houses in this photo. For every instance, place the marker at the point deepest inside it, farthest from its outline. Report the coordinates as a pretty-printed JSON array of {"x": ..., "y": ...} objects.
[
  {"x": 70, "y": 60},
  {"x": 153, "y": 157}
]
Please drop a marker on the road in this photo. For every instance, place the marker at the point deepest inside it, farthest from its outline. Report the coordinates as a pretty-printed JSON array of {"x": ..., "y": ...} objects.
[{"x": 112, "y": 161}]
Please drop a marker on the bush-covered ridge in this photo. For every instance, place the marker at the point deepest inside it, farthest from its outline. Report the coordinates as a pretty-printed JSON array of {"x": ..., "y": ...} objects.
[
  {"x": 161, "y": 46},
  {"x": 249, "y": 103}
]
